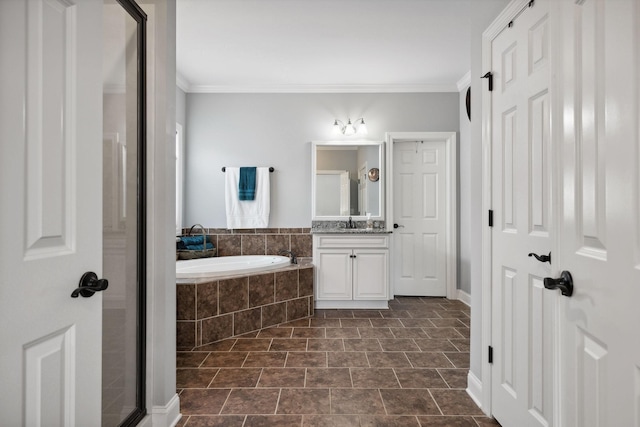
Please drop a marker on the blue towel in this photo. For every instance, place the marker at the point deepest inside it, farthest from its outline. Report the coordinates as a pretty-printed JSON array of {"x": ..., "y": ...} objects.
[
  {"x": 247, "y": 184},
  {"x": 193, "y": 240},
  {"x": 198, "y": 247}
]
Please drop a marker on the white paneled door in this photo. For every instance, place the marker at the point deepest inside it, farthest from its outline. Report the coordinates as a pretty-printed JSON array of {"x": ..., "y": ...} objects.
[
  {"x": 50, "y": 211},
  {"x": 420, "y": 210},
  {"x": 523, "y": 314},
  {"x": 599, "y": 219}
]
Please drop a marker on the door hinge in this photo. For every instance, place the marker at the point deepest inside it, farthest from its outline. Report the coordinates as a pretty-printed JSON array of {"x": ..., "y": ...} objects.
[
  {"x": 489, "y": 76},
  {"x": 490, "y": 354},
  {"x": 490, "y": 217}
]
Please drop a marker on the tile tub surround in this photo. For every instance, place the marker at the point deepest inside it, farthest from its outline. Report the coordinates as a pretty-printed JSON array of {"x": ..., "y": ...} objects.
[
  {"x": 260, "y": 241},
  {"x": 212, "y": 310}
]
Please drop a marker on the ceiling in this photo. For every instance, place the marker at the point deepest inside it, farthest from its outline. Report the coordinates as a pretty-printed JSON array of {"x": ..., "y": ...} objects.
[{"x": 323, "y": 45}]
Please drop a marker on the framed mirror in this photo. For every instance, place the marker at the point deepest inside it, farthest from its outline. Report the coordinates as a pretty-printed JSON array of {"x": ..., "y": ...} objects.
[{"x": 347, "y": 180}]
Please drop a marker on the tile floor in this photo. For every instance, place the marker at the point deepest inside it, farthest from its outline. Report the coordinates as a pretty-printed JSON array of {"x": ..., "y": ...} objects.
[{"x": 406, "y": 366}]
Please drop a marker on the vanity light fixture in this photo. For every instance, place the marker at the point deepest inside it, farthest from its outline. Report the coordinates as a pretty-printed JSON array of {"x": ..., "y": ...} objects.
[{"x": 358, "y": 127}]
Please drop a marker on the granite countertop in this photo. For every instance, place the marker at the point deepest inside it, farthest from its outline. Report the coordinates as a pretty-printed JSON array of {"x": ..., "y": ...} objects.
[{"x": 349, "y": 231}]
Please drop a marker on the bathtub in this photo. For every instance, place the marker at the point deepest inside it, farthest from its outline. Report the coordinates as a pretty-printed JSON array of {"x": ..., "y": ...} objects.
[{"x": 228, "y": 266}]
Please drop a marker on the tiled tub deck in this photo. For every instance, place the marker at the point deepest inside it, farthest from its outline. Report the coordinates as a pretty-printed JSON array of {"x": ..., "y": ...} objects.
[{"x": 210, "y": 310}]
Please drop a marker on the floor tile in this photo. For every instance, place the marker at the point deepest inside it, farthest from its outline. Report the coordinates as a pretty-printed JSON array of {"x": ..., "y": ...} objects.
[
  {"x": 334, "y": 344},
  {"x": 435, "y": 344},
  {"x": 194, "y": 378},
  {"x": 355, "y": 323},
  {"x": 442, "y": 333},
  {"x": 263, "y": 359},
  {"x": 251, "y": 401},
  {"x": 273, "y": 420},
  {"x": 455, "y": 402},
  {"x": 459, "y": 360},
  {"x": 388, "y": 421},
  {"x": 486, "y": 422},
  {"x": 429, "y": 360},
  {"x": 308, "y": 332},
  {"x": 420, "y": 378},
  {"x": 256, "y": 344},
  {"x": 375, "y": 332},
  {"x": 388, "y": 359},
  {"x": 364, "y": 344},
  {"x": 342, "y": 333},
  {"x": 202, "y": 401},
  {"x": 325, "y": 323},
  {"x": 386, "y": 323},
  {"x": 225, "y": 359},
  {"x": 236, "y": 377},
  {"x": 282, "y": 377},
  {"x": 374, "y": 378},
  {"x": 275, "y": 333},
  {"x": 328, "y": 378},
  {"x": 399, "y": 344},
  {"x": 455, "y": 378},
  {"x": 409, "y": 402},
  {"x": 330, "y": 421},
  {"x": 299, "y": 359},
  {"x": 190, "y": 359},
  {"x": 347, "y": 359},
  {"x": 356, "y": 401},
  {"x": 304, "y": 401},
  {"x": 446, "y": 421},
  {"x": 295, "y": 344},
  {"x": 224, "y": 345},
  {"x": 408, "y": 333},
  {"x": 215, "y": 421}
]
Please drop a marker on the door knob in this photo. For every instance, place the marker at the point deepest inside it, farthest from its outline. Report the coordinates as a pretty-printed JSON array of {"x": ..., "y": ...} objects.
[
  {"x": 542, "y": 258},
  {"x": 397, "y": 226},
  {"x": 89, "y": 285},
  {"x": 564, "y": 283}
]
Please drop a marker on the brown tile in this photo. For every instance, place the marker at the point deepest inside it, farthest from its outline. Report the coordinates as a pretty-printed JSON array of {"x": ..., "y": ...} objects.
[
  {"x": 254, "y": 245},
  {"x": 450, "y": 314},
  {"x": 308, "y": 333},
  {"x": 388, "y": 360},
  {"x": 290, "y": 230},
  {"x": 408, "y": 402},
  {"x": 442, "y": 333},
  {"x": 467, "y": 322},
  {"x": 375, "y": 333},
  {"x": 462, "y": 345},
  {"x": 328, "y": 377},
  {"x": 185, "y": 302},
  {"x": 207, "y": 300},
  {"x": 398, "y": 344},
  {"x": 263, "y": 359},
  {"x": 294, "y": 344},
  {"x": 303, "y": 401},
  {"x": 282, "y": 378},
  {"x": 365, "y": 344},
  {"x": 459, "y": 360},
  {"x": 300, "y": 323},
  {"x": 302, "y": 245},
  {"x": 235, "y": 378},
  {"x": 408, "y": 333},
  {"x": 447, "y": 323},
  {"x": 305, "y": 284},
  {"x": 423, "y": 314},
  {"x": 253, "y": 334},
  {"x": 465, "y": 332},
  {"x": 225, "y": 360},
  {"x": 217, "y": 328},
  {"x": 277, "y": 243},
  {"x": 420, "y": 378},
  {"x": 429, "y": 360},
  {"x": 299, "y": 359},
  {"x": 347, "y": 359},
  {"x": 216, "y": 421},
  {"x": 356, "y": 401},
  {"x": 446, "y": 421},
  {"x": 338, "y": 314},
  {"x": 261, "y": 290},
  {"x": 320, "y": 344},
  {"x": 274, "y": 314},
  {"x": 390, "y": 314},
  {"x": 455, "y": 402},
  {"x": 298, "y": 308},
  {"x": 202, "y": 401},
  {"x": 274, "y": 420},
  {"x": 386, "y": 323},
  {"x": 342, "y": 332},
  {"x": 224, "y": 345},
  {"x": 325, "y": 323},
  {"x": 431, "y": 344},
  {"x": 251, "y": 401},
  {"x": 247, "y": 321},
  {"x": 286, "y": 285},
  {"x": 275, "y": 333},
  {"x": 190, "y": 359},
  {"x": 367, "y": 314},
  {"x": 417, "y": 323},
  {"x": 388, "y": 421},
  {"x": 254, "y": 344},
  {"x": 194, "y": 378},
  {"x": 229, "y": 245},
  {"x": 330, "y": 421},
  {"x": 486, "y": 422},
  {"x": 234, "y": 294},
  {"x": 355, "y": 323},
  {"x": 374, "y": 378},
  {"x": 186, "y": 334},
  {"x": 455, "y": 378}
]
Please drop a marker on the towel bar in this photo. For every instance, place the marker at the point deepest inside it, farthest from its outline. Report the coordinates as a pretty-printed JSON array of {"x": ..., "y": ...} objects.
[{"x": 224, "y": 169}]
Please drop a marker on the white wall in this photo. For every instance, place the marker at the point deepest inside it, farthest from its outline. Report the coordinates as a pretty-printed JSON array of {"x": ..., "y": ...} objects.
[
  {"x": 464, "y": 198},
  {"x": 276, "y": 130}
]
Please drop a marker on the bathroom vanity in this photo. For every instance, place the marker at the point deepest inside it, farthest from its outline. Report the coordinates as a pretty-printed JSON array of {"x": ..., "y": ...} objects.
[{"x": 351, "y": 261}]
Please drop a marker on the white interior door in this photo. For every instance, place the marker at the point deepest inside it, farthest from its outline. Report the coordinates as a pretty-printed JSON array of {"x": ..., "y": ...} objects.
[
  {"x": 522, "y": 310},
  {"x": 420, "y": 191},
  {"x": 50, "y": 211},
  {"x": 599, "y": 222}
]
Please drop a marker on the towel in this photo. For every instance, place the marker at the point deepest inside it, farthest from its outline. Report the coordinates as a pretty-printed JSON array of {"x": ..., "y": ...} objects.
[
  {"x": 247, "y": 213},
  {"x": 193, "y": 240},
  {"x": 198, "y": 247},
  {"x": 247, "y": 184}
]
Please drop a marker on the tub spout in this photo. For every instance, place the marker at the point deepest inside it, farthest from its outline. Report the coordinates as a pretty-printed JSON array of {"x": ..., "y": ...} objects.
[{"x": 291, "y": 255}]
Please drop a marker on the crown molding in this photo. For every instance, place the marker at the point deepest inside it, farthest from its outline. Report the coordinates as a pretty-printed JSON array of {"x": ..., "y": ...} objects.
[
  {"x": 181, "y": 82},
  {"x": 464, "y": 82},
  {"x": 316, "y": 88}
]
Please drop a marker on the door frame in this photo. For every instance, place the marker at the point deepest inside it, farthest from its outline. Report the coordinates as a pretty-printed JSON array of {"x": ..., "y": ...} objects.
[
  {"x": 480, "y": 389},
  {"x": 451, "y": 243}
]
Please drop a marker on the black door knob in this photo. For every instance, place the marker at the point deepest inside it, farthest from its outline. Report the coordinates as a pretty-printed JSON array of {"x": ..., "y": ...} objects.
[
  {"x": 89, "y": 285},
  {"x": 397, "y": 226},
  {"x": 564, "y": 283},
  {"x": 542, "y": 258}
]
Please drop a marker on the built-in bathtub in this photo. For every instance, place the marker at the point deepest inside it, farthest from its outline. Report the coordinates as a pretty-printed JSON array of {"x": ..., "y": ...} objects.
[{"x": 220, "y": 298}]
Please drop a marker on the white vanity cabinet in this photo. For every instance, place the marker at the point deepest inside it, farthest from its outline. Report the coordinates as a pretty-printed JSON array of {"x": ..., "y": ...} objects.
[{"x": 352, "y": 271}]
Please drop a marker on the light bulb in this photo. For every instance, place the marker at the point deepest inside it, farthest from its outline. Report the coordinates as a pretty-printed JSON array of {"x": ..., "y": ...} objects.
[
  {"x": 362, "y": 129},
  {"x": 349, "y": 129},
  {"x": 336, "y": 128}
]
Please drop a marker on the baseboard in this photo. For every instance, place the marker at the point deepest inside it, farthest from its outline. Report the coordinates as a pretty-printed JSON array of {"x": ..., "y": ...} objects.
[
  {"x": 163, "y": 416},
  {"x": 464, "y": 297},
  {"x": 474, "y": 389}
]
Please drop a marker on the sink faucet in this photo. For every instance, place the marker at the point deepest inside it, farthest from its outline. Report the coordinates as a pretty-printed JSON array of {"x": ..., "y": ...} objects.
[
  {"x": 350, "y": 224},
  {"x": 294, "y": 260}
]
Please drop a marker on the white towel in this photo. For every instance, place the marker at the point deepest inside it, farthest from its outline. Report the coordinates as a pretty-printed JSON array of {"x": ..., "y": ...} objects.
[{"x": 247, "y": 213}]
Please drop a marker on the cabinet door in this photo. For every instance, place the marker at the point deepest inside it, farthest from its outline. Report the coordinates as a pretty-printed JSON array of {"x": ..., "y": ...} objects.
[
  {"x": 334, "y": 270},
  {"x": 370, "y": 274}
]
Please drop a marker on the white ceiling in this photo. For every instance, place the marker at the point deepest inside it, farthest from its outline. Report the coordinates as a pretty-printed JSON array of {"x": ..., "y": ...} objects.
[{"x": 323, "y": 45}]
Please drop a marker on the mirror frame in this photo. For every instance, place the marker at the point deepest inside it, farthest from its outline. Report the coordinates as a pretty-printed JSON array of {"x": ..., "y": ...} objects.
[{"x": 381, "y": 181}]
